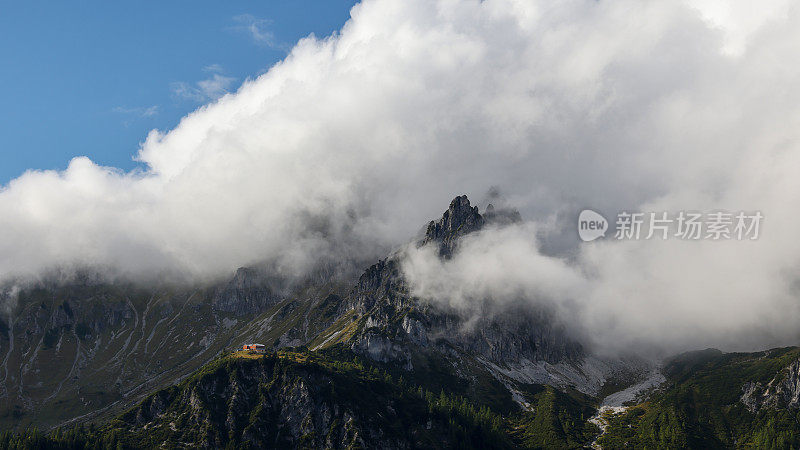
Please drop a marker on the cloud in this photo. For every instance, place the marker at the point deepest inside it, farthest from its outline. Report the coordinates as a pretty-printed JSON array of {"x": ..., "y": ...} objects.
[
  {"x": 214, "y": 68},
  {"x": 258, "y": 30},
  {"x": 495, "y": 267},
  {"x": 148, "y": 111},
  {"x": 739, "y": 19},
  {"x": 353, "y": 141},
  {"x": 132, "y": 114},
  {"x": 204, "y": 90},
  {"x": 661, "y": 296}
]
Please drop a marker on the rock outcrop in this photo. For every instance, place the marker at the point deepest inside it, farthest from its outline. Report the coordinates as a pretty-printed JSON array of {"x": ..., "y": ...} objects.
[
  {"x": 460, "y": 218},
  {"x": 783, "y": 391},
  {"x": 249, "y": 292}
]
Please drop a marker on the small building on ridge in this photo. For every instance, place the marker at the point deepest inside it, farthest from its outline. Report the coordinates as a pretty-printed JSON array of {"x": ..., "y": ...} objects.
[{"x": 254, "y": 348}]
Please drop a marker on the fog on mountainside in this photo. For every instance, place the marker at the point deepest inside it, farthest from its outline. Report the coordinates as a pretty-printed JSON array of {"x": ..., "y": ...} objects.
[{"x": 342, "y": 150}]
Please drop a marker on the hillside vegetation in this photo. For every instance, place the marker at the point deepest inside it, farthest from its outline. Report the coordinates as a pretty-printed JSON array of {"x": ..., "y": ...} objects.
[
  {"x": 705, "y": 405},
  {"x": 299, "y": 398}
]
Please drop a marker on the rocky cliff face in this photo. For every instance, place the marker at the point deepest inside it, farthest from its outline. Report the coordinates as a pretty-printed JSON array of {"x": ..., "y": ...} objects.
[
  {"x": 249, "y": 292},
  {"x": 460, "y": 218},
  {"x": 783, "y": 391}
]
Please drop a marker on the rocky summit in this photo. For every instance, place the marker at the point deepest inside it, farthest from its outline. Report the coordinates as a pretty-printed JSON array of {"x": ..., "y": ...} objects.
[{"x": 460, "y": 218}]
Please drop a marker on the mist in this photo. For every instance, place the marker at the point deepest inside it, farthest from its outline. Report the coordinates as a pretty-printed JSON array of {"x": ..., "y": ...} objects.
[
  {"x": 653, "y": 297},
  {"x": 345, "y": 148}
]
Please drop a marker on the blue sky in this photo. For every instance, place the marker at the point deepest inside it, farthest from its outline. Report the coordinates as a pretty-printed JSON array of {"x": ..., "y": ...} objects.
[{"x": 93, "y": 77}]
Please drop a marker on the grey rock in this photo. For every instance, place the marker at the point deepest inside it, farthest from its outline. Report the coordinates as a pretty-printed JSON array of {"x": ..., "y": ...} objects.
[
  {"x": 460, "y": 219},
  {"x": 782, "y": 392},
  {"x": 249, "y": 292}
]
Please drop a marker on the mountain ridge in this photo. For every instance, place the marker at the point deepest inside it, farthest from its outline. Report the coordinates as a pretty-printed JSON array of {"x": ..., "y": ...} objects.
[
  {"x": 134, "y": 360},
  {"x": 80, "y": 339}
]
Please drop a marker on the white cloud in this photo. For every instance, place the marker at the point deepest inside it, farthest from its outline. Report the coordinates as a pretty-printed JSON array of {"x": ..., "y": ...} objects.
[
  {"x": 657, "y": 295},
  {"x": 214, "y": 68},
  {"x": 498, "y": 265},
  {"x": 204, "y": 90},
  {"x": 354, "y": 141},
  {"x": 740, "y": 19},
  {"x": 258, "y": 30},
  {"x": 148, "y": 111}
]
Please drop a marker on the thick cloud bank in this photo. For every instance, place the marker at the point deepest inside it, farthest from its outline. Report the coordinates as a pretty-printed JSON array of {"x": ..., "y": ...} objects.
[{"x": 353, "y": 141}]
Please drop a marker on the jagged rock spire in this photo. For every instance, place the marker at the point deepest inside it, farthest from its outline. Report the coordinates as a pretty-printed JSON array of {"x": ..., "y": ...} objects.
[
  {"x": 462, "y": 218},
  {"x": 459, "y": 219}
]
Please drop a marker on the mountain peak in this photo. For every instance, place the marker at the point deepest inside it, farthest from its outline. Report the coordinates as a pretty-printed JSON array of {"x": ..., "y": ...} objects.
[{"x": 459, "y": 219}]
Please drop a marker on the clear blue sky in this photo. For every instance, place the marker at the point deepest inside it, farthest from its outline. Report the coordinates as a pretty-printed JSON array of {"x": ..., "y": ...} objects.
[{"x": 93, "y": 77}]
